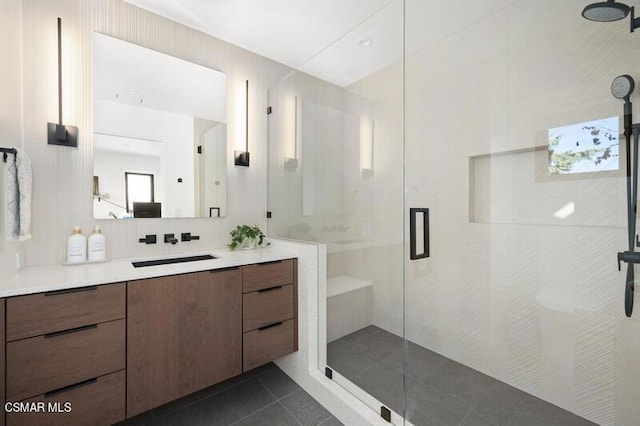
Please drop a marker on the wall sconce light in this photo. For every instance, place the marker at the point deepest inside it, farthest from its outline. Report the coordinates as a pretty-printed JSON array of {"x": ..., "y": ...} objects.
[
  {"x": 366, "y": 147},
  {"x": 291, "y": 163},
  {"x": 242, "y": 157},
  {"x": 58, "y": 133}
]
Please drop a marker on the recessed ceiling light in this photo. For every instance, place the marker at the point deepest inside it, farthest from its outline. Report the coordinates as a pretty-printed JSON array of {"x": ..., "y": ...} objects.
[{"x": 365, "y": 42}]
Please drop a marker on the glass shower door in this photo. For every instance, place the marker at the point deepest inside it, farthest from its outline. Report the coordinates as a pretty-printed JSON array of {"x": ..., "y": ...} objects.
[
  {"x": 498, "y": 300},
  {"x": 336, "y": 178},
  {"x": 512, "y": 142}
]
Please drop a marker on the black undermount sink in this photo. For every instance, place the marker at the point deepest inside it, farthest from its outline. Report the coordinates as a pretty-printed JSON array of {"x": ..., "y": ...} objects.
[{"x": 167, "y": 261}]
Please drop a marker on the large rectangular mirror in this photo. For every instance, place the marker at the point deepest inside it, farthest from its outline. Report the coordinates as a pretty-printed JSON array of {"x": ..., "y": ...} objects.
[{"x": 160, "y": 137}]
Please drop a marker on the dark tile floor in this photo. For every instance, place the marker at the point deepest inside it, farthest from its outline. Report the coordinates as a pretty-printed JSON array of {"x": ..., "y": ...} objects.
[
  {"x": 262, "y": 397},
  {"x": 440, "y": 391}
]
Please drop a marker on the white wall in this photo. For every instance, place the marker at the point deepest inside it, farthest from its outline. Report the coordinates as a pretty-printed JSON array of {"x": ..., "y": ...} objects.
[
  {"x": 213, "y": 175},
  {"x": 173, "y": 133},
  {"x": 63, "y": 176},
  {"x": 110, "y": 168},
  {"x": 11, "y": 103}
]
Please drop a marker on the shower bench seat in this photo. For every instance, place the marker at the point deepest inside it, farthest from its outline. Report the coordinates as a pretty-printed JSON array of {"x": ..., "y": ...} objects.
[{"x": 349, "y": 302}]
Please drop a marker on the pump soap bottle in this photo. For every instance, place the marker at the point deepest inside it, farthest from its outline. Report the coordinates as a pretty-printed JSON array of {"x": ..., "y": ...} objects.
[
  {"x": 76, "y": 246},
  {"x": 97, "y": 245}
]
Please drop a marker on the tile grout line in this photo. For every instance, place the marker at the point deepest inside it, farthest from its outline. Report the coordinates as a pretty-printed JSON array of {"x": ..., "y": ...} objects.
[
  {"x": 462, "y": 422},
  {"x": 282, "y": 397},
  {"x": 207, "y": 396},
  {"x": 251, "y": 414},
  {"x": 275, "y": 401},
  {"x": 482, "y": 417},
  {"x": 289, "y": 412}
]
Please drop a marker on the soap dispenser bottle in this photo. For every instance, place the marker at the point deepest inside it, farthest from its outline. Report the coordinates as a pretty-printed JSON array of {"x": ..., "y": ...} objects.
[
  {"x": 76, "y": 246},
  {"x": 97, "y": 245}
]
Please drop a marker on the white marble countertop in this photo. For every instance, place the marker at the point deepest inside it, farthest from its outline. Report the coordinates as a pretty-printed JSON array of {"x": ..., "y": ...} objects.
[{"x": 37, "y": 279}]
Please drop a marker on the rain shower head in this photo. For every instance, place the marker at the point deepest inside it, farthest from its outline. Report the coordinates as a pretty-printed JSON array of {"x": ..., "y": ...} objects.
[{"x": 606, "y": 11}]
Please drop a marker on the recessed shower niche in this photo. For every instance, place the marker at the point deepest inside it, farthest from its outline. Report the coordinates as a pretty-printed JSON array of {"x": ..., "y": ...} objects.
[{"x": 515, "y": 187}]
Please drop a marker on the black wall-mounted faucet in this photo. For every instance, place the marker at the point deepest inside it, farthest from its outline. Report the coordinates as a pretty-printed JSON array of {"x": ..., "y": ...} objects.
[
  {"x": 170, "y": 238},
  {"x": 186, "y": 236}
]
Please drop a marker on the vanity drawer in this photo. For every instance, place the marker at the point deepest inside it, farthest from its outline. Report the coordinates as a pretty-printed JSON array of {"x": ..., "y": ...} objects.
[
  {"x": 266, "y": 306},
  {"x": 42, "y": 364},
  {"x": 264, "y": 345},
  {"x": 266, "y": 275},
  {"x": 98, "y": 401},
  {"x": 43, "y": 313}
]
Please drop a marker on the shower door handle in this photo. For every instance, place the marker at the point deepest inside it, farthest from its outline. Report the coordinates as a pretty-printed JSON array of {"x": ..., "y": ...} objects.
[{"x": 414, "y": 232}]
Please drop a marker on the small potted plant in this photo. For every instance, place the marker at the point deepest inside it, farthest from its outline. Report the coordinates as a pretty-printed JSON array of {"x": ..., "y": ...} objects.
[{"x": 247, "y": 237}]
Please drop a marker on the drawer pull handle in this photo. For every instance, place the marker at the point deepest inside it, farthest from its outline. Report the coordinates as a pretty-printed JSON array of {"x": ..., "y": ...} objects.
[
  {"x": 230, "y": 268},
  {"x": 270, "y": 263},
  {"x": 70, "y": 387},
  {"x": 270, "y": 326},
  {"x": 264, "y": 290},
  {"x": 71, "y": 330},
  {"x": 70, "y": 290}
]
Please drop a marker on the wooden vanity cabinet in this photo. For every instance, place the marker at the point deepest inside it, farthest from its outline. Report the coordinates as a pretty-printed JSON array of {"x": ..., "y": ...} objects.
[
  {"x": 116, "y": 350},
  {"x": 270, "y": 295},
  {"x": 184, "y": 333},
  {"x": 66, "y": 350}
]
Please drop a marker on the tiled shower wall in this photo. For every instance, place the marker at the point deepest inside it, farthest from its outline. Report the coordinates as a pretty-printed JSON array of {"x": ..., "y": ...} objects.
[
  {"x": 62, "y": 176},
  {"x": 533, "y": 300}
]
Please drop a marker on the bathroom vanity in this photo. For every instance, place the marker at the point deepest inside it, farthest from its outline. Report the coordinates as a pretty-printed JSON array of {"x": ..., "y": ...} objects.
[{"x": 107, "y": 351}]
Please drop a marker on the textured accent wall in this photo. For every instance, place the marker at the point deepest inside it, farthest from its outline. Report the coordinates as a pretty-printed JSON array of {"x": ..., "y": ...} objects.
[
  {"x": 62, "y": 176},
  {"x": 531, "y": 299},
  {"x": 535, "y": 300}
]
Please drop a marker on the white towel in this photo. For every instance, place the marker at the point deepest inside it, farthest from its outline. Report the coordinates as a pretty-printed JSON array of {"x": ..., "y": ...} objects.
[{"x": 18, "y": 196}]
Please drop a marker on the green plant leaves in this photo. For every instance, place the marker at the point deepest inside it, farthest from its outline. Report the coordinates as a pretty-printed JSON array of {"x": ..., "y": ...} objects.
[{"x": 246, "y": 232}]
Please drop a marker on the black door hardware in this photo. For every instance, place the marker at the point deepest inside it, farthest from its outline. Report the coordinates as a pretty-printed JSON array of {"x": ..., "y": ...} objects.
[{"x": 414, "y": 254}]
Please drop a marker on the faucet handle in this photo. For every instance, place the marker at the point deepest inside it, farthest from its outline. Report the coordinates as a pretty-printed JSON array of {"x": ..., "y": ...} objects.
[
  {"x": 170, "y": 238},
  {"x": 148, "y": 239},
  {"x": 186, "y": 236},
  {"x": 619, "y": 261}
]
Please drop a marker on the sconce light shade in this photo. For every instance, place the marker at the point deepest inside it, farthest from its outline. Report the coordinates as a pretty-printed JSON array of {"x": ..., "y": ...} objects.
[
  {"x": 58, "y": 133},
  {"x": 291, "y": 163},
  {"x": 367, "y": 128},
  {"x": 242, "y": 157}
]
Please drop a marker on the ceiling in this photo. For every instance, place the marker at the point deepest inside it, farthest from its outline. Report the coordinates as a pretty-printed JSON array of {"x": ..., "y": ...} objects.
[{"x": 341, "y": 41}]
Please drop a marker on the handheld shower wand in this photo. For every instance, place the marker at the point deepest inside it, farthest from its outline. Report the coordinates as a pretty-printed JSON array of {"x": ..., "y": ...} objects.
[{"x": 621, "y": 88}]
